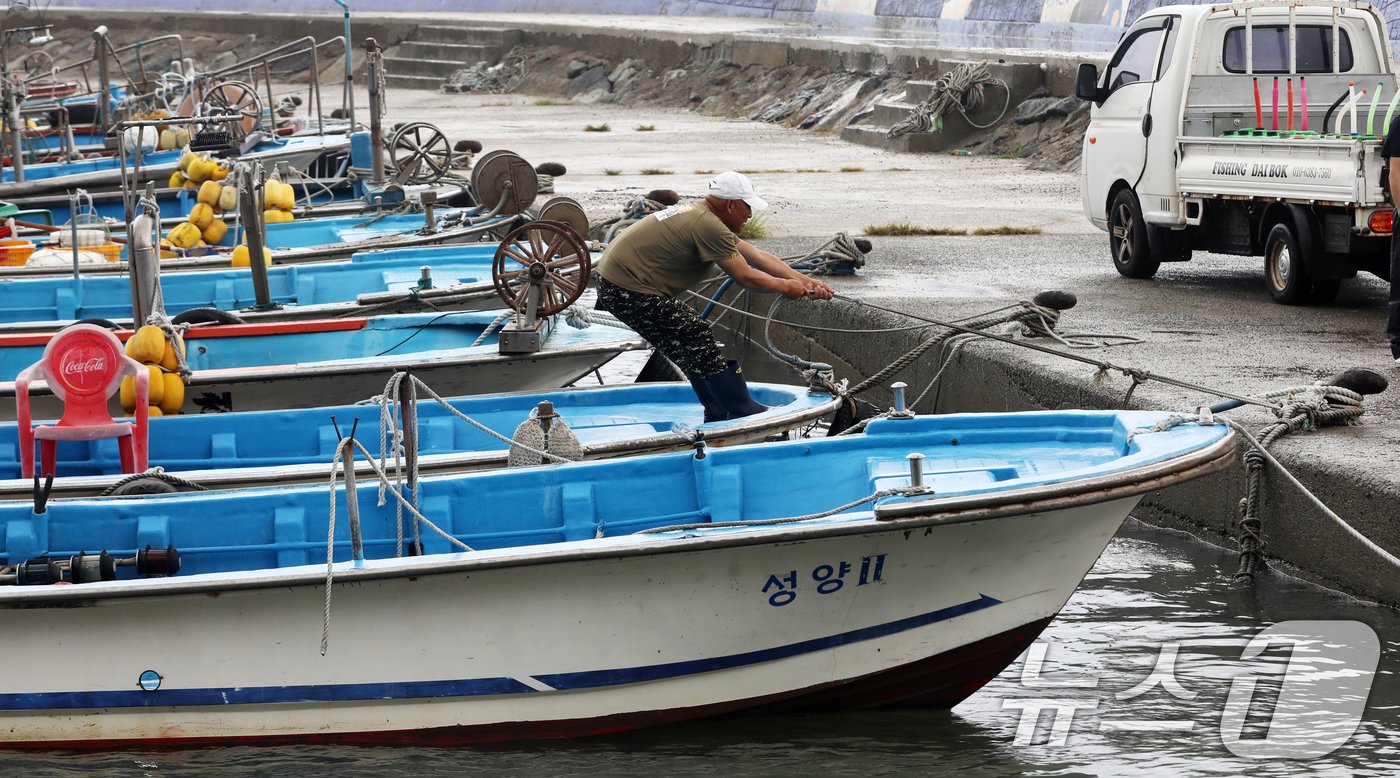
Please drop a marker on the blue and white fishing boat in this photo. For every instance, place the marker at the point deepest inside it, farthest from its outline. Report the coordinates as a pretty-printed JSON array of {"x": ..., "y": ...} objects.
[
  {"x": 106, "y": 172},
  {"x": 307, "y": 364},
  {"x": 277, "y": 448},
  {"x": 459, "y": 278},
  {"x": 565, "y": 601}
]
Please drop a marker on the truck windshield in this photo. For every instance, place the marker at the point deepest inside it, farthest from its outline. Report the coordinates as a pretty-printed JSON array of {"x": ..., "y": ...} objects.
[{"x": 1271, "y": 49}]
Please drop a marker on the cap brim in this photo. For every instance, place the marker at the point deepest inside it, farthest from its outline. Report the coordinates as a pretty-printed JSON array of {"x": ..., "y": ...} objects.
[{"x": 755, "y": 202}]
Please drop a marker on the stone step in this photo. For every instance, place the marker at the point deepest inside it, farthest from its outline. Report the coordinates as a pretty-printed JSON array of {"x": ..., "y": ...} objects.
[
  {"x": 878, "y": 137},
  {"x": 890, "y": 112},
  {"x": 465, "y": 53},
  {"x": 441, "y": 68},
  {"x": 486, "y": 36},
  {"x": 431, "y": 83}
]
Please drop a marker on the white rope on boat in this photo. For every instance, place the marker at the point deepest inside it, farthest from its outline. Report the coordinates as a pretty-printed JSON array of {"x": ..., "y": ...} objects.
[
  {"x": 336, "y": 467},
  {"x": 902, "y": 491}
]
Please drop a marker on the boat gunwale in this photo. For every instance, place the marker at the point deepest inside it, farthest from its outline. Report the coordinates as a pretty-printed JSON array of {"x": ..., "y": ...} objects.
[
  {"x": 408, "y": 362},
  {"x": 77, "y": 487},
  {"x": 1209, "y": 459}
]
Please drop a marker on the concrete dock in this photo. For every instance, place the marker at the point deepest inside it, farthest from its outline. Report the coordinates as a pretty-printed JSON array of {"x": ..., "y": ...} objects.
[{"x": 1209, "y": 321}]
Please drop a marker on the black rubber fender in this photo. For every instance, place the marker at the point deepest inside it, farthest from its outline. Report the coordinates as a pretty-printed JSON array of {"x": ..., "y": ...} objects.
[
  {"x": 104, "y": 323},
  {"x": 146, "y": 485},
  {"x": 206, "y": 316}
]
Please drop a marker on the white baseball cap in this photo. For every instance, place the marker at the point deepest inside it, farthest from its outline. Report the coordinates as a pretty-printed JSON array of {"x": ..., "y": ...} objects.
[{"x": 736, "y": 186}]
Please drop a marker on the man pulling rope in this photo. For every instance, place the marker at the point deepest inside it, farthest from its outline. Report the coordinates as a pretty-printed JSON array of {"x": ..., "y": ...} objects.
[{"x": 646, "y": 268}]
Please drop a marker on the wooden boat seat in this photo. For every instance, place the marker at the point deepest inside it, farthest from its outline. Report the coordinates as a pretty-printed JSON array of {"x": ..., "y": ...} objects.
[{"x": 83, "y": 366}]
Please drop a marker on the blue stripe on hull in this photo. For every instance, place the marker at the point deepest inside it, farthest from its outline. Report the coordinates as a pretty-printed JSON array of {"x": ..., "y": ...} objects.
[{"x": 475, "y": 687}]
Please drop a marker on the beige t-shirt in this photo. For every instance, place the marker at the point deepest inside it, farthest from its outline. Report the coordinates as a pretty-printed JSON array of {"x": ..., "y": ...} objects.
[{"x": 669, "y": 251}]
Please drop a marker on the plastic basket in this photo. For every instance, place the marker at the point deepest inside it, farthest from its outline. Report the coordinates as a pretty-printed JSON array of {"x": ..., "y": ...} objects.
[
  {"x": 14, "y": 253},
  {"x": 109, "y": 251}
]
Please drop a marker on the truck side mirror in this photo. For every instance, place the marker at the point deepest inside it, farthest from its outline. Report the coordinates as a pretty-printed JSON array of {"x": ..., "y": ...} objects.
[{"x": 1086, "y": 86}]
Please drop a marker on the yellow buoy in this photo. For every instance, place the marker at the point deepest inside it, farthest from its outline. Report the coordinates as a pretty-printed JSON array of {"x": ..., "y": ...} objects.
[
  {"x": 177, "y": 180},
  {"x": 209, "y": 193},
  {"x": 201, "y": 214},
  {"x": 218, "y": 172},
  {"x": 215, "y": 231},
  {"x": 183, "y": 235},
  {"x": 174, "y": 391},
  {"x": 241, "y": 256},
  {"x": 154, "y": 411},
  {"x": 146, "y": 344},
  {"x": 187, "y": 159},
  {"x": 128, "y": 394},
  {"x": 168, "y": 360},
  {"x": 157, "y": 384}
]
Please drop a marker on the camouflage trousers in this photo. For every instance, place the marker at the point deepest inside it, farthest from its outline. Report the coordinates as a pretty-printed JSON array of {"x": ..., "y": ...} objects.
[{"x": 670, "y": 326}]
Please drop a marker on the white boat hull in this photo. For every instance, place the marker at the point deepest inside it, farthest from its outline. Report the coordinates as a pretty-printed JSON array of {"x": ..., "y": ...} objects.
[{"x": 584, "y": 638}]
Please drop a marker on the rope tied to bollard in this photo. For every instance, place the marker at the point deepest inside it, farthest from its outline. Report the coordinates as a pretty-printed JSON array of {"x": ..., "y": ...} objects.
[{"x": 1300, "y": 409}]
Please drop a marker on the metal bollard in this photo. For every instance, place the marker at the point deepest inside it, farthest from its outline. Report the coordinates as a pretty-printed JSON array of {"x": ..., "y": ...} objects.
[
  {"x": 916, "y": 469},
  {"x": 900, "y": 412}
]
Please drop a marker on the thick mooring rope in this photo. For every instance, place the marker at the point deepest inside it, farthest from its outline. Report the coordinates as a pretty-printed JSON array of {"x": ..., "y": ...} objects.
[
  {"x": 1300, "y": 408},
  {"x": 962, "y": 89}
]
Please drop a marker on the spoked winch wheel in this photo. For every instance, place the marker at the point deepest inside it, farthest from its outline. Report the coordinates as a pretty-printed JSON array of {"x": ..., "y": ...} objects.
[
  {"x": 566, "y": 210},
  {"x": 498, "y": 171},
  {"x": 36, "y": 66},
  {"x": 547, "y": 253},
  {"x": 420, "y": 153},
  {"x": 229, "y": 97}
]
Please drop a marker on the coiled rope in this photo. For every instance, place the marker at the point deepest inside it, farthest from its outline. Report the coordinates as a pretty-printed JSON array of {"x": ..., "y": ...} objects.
[
  {"x": 838, "y": 253},
  {"x": 962, "y": 89},
  {"x": 633, "y": 211},
  {"x": 157, "y": 473}
]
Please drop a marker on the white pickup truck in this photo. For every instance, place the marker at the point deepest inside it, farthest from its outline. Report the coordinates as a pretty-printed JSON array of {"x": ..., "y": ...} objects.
[{"x": 1176, "y": 157}]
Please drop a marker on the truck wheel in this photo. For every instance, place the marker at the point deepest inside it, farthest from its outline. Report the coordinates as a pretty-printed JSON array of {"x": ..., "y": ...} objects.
[
  {"x": 1285, "y": 268},
  {"x": 1127, "y": 238}
]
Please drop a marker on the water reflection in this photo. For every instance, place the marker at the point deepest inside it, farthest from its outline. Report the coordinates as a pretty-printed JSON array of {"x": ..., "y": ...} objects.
[{"x": 1151, "y": 588}]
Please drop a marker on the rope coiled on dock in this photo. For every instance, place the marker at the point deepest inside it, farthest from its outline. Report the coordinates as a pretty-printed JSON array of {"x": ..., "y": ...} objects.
[{"x": 962, "y": 89}]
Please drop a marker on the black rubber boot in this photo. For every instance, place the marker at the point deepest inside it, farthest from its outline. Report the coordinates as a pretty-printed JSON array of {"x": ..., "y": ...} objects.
[
  {"x": 732, "y": 392},
  {"x": 713, "y": 410}
]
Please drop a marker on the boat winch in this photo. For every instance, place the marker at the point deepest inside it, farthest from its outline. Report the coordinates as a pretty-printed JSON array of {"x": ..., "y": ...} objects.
[{"x": 539, "y": 270}]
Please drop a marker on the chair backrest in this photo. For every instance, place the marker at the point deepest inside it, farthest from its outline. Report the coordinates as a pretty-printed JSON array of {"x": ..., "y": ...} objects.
[{"x": 83, "y": 365}]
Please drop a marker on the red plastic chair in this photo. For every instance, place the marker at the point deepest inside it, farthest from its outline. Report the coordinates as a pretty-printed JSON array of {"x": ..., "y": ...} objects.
[{"x": 83, "y": 365}]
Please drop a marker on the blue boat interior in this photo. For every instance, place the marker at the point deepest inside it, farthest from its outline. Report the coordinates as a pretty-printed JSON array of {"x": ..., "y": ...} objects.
[
  {"x": 108, "y": 296},
  {"x": 416, "y": 335},
  {"x": 277, "y": 528},
  {"x": 306, "y": 436},
  {"x": 343, "y": 229}
]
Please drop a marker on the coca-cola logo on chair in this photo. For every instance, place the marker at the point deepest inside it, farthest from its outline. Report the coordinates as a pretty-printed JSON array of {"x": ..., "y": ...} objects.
[{"x": 85, "y": 366}]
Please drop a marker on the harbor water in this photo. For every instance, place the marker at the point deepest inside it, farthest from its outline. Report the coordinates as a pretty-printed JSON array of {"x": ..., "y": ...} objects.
[{"x": 1153, "y": 593}]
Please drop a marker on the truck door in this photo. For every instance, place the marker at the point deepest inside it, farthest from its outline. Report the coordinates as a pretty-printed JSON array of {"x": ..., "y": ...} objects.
[{"x": 1122, "y": 124}]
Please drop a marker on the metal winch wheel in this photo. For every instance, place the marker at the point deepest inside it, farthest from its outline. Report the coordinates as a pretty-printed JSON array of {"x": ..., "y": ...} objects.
[
  {"x": 565, "y": 210},
  {"x": 504, "y": 172},
  {"x": 544, "y": 253},
  {"x": 229, "y": 97},
  {"x": 420, "y": 153}
]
